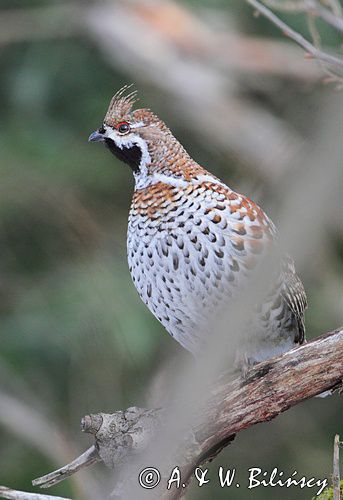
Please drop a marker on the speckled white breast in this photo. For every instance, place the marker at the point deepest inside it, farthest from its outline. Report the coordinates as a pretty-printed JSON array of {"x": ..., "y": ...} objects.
[{"x": 187, "y": 258}]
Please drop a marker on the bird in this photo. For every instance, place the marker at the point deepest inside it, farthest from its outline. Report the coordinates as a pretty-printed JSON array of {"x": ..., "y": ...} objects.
[{"x": 193, "y": 242}]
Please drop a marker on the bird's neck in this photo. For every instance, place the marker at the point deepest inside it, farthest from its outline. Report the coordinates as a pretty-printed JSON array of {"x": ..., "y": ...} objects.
[{"x": 168, "y": 162}]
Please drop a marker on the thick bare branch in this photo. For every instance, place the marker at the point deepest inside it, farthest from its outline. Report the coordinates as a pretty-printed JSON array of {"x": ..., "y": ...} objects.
[{"x": 268, "y": 389}]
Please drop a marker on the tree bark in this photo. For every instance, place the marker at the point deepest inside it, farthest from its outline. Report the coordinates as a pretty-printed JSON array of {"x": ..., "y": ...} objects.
[{"x": 267, "y": 390}]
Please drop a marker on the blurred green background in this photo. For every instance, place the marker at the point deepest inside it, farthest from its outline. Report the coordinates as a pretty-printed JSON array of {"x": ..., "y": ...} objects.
[{"x": 75, "y": 337}]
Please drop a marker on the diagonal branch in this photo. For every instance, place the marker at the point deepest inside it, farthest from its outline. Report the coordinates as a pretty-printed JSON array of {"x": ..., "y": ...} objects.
[
  {"x": 89, "y": 457},
  {"x": 314, "y": 7},
  {"x": 295, "y": 36},
  {"x": 268, "y": 389}
]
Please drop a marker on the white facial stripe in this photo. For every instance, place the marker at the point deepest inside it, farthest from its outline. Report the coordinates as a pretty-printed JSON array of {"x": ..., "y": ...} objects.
[
  {"x": 127, "y": 141},
  {"x": 142, "y": 177}
]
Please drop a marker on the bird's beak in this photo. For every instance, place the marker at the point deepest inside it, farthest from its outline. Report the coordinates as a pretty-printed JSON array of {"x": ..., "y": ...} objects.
[{"x": 96, "y": 137}]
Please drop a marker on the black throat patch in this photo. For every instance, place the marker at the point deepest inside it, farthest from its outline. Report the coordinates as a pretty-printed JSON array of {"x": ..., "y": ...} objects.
[{"x": 131, "y": 156}]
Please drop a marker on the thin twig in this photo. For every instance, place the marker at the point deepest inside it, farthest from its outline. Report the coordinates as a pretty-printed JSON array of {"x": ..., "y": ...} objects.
[
  {"x": 87, "y": 458},
  {"x": 332, "y": 17},
  {"x": 295, "y": 36},
  {"x": 336, "y": 482},
  {"x": 313, "y": 10},
  {"x": 335, "y": 6},
  {"x": 293, "y": 6}
]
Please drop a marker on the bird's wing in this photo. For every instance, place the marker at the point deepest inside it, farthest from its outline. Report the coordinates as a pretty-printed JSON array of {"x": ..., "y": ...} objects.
[
  {"x": 294, "y": 294},
  {"x": 252, "y": 234}
]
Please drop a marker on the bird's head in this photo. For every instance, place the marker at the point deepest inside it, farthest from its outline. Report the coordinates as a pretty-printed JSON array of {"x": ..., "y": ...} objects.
[{"x": 137, "y": 137}]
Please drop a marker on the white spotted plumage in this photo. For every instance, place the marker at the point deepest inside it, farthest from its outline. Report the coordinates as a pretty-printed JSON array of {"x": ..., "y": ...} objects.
[{"x": 192, "y": 242}]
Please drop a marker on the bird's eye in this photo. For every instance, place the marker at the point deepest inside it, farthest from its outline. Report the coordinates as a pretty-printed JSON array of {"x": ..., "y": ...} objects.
[{"x": 123, "y": 128}]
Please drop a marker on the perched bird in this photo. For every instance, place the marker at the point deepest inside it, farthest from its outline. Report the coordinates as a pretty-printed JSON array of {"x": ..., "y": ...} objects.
[{"x": 192, "y": 242}]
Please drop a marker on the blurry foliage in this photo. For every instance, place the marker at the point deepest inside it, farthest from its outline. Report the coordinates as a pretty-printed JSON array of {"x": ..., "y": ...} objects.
[
  {"x": 328, "y": 494},
  {"x": 72, "y": 325}
]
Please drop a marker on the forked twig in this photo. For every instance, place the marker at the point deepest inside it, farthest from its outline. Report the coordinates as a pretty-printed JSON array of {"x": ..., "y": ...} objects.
[{"x": 311, "y": 50}]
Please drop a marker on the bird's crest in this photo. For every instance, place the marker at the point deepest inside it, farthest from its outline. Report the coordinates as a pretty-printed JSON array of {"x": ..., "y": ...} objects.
[{"x": 120, "y": 105}]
